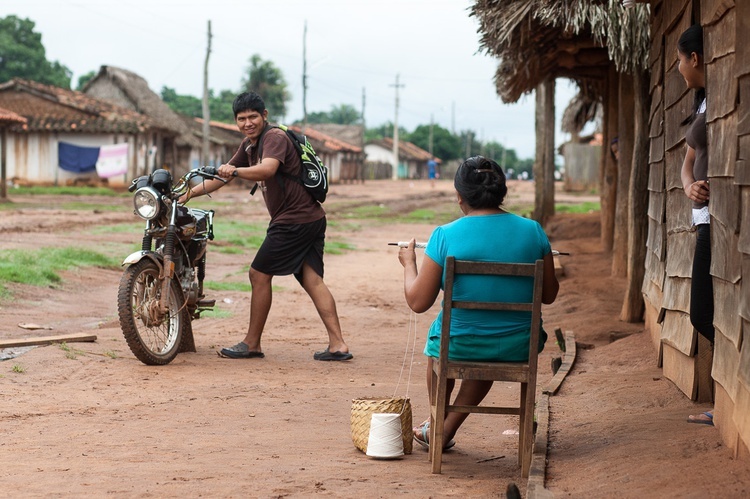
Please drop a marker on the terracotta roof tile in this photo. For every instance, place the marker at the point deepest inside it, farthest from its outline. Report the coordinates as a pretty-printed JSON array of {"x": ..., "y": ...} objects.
[
  {"x": 48, "y": 108},
  {"x": 7, "y": 116},
  {"x": 328, "y": 143}
]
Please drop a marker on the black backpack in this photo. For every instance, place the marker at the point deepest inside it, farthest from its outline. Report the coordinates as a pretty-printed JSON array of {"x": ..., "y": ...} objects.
[{"x": 314, "y": 174}]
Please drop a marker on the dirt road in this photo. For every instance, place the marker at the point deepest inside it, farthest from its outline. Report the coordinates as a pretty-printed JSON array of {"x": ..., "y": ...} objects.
[{"x": 96, "y": 421}]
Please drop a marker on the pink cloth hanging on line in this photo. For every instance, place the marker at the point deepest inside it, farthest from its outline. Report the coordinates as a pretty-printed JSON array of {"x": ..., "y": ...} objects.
[{"x": 113, "y": 160}]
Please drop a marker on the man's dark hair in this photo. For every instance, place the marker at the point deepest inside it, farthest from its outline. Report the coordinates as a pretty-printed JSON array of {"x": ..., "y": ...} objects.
[
  {"x": 248, "y": 101},
  {"x": 481, "y": 183}
]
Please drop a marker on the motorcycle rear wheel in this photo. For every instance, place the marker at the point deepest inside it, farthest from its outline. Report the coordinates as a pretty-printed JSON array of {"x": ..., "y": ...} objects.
[{"x": 153, "y": 337}]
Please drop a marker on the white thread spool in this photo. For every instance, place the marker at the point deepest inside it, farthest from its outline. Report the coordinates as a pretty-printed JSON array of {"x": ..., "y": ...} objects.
[{"x": 385, "y": 440}]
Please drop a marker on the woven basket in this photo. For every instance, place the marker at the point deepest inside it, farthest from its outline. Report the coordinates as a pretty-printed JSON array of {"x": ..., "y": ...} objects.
[{"x": 364, "y": 408}]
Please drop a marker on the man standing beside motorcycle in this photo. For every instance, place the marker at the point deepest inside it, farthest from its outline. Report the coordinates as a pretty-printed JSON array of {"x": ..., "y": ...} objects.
[{"x": 296, "y": 233}]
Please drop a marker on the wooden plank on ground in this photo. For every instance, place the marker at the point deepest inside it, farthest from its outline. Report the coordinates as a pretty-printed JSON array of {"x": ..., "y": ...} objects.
[
  {"x": 535, "y": 488},
  {"x": 46, "y": 340},
  {"x": 567, "y": 364}
]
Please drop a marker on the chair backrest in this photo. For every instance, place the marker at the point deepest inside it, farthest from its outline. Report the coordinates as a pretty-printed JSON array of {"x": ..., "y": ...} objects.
[{"x": 454, "y": 268}]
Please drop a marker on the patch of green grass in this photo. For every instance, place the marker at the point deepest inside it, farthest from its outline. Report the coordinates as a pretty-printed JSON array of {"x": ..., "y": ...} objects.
[
  {"x": 585, "y": 207},
  {"x": 227, "y": 286},
  {"x": 369, "y": 211},
  {"x": 228, "y": 250},
  {"x": 70, "y": 353},
  {"x": 134, "y": 228},
  {"x": 334, "y": 247},
  {"x": 83, "y": 206},
  {"x": 216, "y": 313},
  {"x": 239, "y": 234},
  {"x": 18, "y": 369},
  {"x": 41, "y": 267},
  {"x": 66, "y": 190},
  {"x": 111, "y": 354}
]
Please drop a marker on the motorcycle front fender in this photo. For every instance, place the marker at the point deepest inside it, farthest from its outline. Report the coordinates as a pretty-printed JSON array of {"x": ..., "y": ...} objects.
[{"x": 140, "y": 255}]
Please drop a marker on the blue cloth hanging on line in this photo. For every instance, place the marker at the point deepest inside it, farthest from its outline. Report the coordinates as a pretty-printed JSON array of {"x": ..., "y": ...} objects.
[{"x": 77, "y": 159}]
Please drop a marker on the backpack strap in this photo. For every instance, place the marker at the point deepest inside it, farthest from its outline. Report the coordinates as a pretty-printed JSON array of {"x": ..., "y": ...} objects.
[{"x": 260, "y": 151}]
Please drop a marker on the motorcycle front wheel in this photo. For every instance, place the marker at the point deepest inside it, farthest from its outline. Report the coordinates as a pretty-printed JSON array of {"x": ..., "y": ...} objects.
[{"x": 153, "y": 337}]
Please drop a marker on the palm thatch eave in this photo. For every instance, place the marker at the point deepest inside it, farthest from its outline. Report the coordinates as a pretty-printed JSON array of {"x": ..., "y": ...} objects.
[{"x": 538, "y": 39}]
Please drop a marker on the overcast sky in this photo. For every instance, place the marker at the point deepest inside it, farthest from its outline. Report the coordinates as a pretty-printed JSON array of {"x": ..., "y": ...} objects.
[{"x": 351, "y": 45}]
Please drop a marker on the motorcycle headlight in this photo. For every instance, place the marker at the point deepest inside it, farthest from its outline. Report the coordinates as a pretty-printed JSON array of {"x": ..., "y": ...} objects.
[{"x": 146, "y": 202}]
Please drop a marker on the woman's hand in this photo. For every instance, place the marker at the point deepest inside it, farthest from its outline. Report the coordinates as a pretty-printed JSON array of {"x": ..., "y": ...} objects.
[
  {"x": 407, "y": 256},
  {"x": 697, "y": 191}
]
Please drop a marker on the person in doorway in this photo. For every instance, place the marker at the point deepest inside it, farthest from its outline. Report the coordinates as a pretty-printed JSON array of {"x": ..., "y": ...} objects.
[
  {"x": 486, "y": 232},
  {"x": 295, "y": 236},
  {"x": 614, "y": 149},
  {"x": 694, "y": 175}
]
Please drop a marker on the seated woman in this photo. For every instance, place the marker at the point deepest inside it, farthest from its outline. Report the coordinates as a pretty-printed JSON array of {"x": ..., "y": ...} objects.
[{"x": 488, "y": 233}]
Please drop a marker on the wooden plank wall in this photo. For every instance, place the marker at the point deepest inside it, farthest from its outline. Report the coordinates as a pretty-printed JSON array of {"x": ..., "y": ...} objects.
[{"x": 671, "y": 241}]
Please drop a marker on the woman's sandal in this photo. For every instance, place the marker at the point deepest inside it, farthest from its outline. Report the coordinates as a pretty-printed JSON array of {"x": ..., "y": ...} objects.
[
  {"x": 422, "y": 436},
  {"x": 706, "y": 418}
]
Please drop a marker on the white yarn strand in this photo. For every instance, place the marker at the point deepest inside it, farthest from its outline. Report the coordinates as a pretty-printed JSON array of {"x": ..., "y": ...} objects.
[{"x": 411, "y": 342}]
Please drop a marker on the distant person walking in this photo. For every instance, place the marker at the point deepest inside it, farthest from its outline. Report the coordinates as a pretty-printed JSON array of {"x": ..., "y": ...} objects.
[
  {"x": 432, "y": 170},
  {"x": 295, "y": 237}
]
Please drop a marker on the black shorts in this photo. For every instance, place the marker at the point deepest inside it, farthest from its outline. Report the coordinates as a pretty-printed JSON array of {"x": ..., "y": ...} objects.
[{"x": 288, "y": 247}]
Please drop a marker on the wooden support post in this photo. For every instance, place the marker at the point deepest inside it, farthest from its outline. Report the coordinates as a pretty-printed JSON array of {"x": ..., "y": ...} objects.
[{"x": 633, "y": 304}]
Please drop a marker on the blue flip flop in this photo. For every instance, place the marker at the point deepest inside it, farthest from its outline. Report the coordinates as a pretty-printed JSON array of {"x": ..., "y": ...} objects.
[
  {"x": 709, "y": 421},
  {"x": 424, "y": 441}
]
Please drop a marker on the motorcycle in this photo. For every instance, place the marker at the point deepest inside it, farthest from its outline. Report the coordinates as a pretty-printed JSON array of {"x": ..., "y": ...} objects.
[{"x": 161, "y": 290}]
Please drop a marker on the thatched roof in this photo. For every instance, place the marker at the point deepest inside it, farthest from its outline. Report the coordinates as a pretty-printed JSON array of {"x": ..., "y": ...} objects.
[
  {"x": 351, "y": 134},
  {"x": 581, "y": 109},
  {"x": 578, "y": 39},
  {"x": 130, "y": 90},
  {"x": 220, "y": 133}
]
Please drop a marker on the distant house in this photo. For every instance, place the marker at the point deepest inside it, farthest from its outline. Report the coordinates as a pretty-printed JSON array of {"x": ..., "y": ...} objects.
[
  {"x": 57, "y": 120},
  {"x": 339, "y": 156},
  {"x": 412, "y": 160},
  {"x": 174, "y": 140},
  {"x": 7, "y": 118},
  {"x": 223, "y": 142},
  {"x": 352, "y": 169}
]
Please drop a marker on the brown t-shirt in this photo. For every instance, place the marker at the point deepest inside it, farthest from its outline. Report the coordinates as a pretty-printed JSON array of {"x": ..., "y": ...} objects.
[
  {"x": 289, "y": 203},
  {"x": 696, "y": 138}
]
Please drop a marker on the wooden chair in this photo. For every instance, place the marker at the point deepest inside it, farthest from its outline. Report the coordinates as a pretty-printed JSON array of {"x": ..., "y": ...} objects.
[{"x": 519, "y": 372}]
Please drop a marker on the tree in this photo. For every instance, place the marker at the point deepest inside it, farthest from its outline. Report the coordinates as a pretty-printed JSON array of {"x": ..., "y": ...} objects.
[
  {"x": 183, "y": 104},
  {"x": 385, "y": 130},
  {"x": 265, "y": 79},
  {"x": 84, "y": 79},
  {"x": 445, "y": 145},
  {"x": 344, "y": 114},
  {"x": 22, "y": 55},
  {"x": 220, "y": 107}
]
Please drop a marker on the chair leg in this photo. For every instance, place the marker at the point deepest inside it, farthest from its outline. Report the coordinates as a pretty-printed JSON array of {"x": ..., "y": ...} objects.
[
  {"x": 437, "y": 423},
  {"x": 528, "y": 429},
  {"x": 521, "y": 424}
]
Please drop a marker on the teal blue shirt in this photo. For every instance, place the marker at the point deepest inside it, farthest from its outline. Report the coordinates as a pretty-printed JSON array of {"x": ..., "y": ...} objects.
[{"x": 504, "y": 238}]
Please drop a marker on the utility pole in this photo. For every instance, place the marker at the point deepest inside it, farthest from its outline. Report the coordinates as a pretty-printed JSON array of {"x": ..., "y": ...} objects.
[
  {"x": 206, "y": 109},
  {"x": 432, "y": 121},
  {"x": 394, "y": 175},
  {"x": 304, "y": 78},
  {"x": 361, "y": 168},
  {"x": 453, "y": 117}
]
